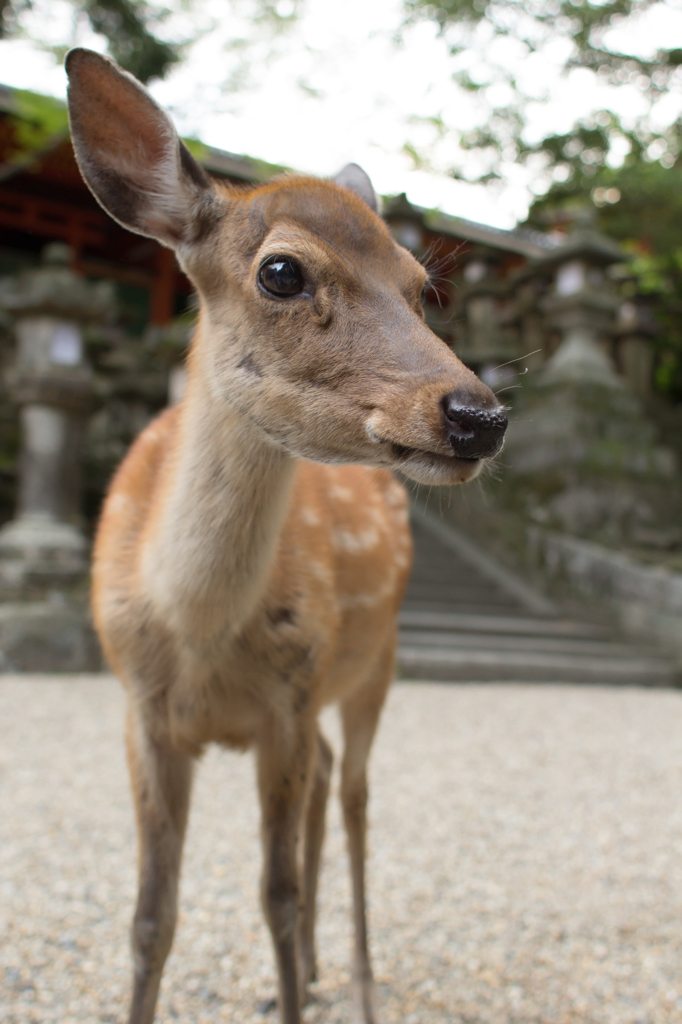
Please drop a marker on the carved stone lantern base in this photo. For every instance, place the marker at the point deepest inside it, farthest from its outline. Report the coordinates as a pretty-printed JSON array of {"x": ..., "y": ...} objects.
[
  {"x": 38, "y": 553},
  {"x": 581, "y": 456},
  {"x": 44, "y": 603},
  {"x": 52, "y": 635}
]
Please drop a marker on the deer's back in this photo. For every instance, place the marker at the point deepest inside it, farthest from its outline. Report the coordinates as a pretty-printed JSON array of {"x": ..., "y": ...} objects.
[{"x": 336, "y": 582}]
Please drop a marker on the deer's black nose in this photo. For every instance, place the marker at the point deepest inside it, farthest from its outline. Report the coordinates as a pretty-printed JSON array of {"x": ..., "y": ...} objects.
[{"x": 474, "y": 431}]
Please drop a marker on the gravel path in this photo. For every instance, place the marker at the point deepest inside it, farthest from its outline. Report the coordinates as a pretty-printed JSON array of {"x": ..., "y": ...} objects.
[{"x": 525, "y": 863}]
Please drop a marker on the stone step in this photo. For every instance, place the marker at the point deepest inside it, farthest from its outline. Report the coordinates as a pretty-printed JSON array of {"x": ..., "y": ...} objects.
[
  {"x": 440, "y": 542},
  {"x": 546, "y": 644},
  {"x": 484, "y": 608},
  {"x": 520, "y": 625},
  {"x": 466, "y": 619},
  {"x": 453, "y": 594},
  {"x": 47, "y": 636},
  {"x": 456, "y": 665},
  {"x": 449, "y": 576}
]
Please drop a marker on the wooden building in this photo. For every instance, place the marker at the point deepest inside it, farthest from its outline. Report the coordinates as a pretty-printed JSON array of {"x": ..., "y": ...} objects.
[{"x": 43, "y": 198}]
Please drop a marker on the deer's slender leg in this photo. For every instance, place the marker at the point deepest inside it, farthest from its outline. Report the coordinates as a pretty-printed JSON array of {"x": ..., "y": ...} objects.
[
  {"x": 360, "y": 716},
  {"x": 161, "y": 780},
  {"x": 314, "y": 835},
  {"x": 285, "y": 757}
]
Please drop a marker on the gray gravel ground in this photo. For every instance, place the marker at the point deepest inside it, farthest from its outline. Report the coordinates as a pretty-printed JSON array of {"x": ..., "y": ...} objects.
[{"x": 525, "y": 863}]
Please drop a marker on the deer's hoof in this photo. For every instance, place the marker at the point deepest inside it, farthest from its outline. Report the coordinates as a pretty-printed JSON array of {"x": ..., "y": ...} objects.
[{"x": 267, "y": 1006}]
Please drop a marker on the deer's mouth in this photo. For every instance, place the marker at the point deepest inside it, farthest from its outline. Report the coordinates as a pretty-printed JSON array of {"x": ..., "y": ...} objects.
[
  {"x": 402, "y": 451},
  {"x": 432, "y": 467}
]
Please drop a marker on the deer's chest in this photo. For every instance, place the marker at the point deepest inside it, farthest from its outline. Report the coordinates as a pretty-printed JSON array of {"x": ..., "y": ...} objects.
[
  {"x": 327, "y": 611},
  {"x": 269, "y": 669}
]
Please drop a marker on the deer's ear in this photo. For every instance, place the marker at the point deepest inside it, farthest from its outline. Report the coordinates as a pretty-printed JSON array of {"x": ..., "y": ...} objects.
[
  {"x": 130, "y": 155},
  {"x": 353, "y": 177}
]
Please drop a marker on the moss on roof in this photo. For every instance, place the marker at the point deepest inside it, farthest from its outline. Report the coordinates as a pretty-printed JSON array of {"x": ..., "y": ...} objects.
[
  {"x": 41, "y": 122},
  {"x": 38, "y": 123}
]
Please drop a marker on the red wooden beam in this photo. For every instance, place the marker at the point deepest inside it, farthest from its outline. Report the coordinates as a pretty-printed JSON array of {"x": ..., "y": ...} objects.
[
  {"x": 162, "y": 304},
  {"x": 40, "y": 216}
]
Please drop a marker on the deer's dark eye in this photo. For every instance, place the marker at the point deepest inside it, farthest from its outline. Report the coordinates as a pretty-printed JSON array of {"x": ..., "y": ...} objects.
[{"x": 281, "y": 276}]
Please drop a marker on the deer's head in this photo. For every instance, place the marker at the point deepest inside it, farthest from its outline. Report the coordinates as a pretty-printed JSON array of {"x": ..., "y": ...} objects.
[{"x": 311, "y": 317}]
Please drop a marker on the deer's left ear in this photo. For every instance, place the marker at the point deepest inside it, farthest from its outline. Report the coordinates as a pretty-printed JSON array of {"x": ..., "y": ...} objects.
[
  {"x": 353, "y": 177},
  {"x": 130, "y": 155}
]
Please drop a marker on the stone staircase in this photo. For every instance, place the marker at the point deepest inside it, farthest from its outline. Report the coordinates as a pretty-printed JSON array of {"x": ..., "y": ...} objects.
[{"x": 466, "y": 618}]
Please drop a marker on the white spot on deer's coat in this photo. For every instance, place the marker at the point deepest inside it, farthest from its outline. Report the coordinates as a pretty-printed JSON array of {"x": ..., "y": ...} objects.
[
  {"x": 320, "y": 571},
  {"x": 120, "y": 502},
  {"x": 395, "y": 495},
  {"x": 342, "y": 493},
  {"x": 354, "y": 543},
  {"x": 371, "y": 432},
  {"x": 385, "y": 592},
  {"x": 350, "y": 601},
  {"x": 309, "y": 516},
  {"x": 378, "y": 515},
  {"x": 404, "y": 537}
]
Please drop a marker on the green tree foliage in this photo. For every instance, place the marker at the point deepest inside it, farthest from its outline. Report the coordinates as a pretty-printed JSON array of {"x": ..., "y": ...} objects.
[
  {"x": 631, "y": 171},
  {"x": 129, "y": 26},
  {"x": 639, "y": 203},
  {"x": 148, "y": 37},
  {"x": 533, "y": 22},
  {"x": 126, "y": 26},
  {"x": 659, "y": 275},
  {"x": 473, "y": 30}
]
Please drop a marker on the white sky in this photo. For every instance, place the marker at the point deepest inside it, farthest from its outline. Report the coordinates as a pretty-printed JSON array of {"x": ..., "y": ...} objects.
[{"x": 369, "y": 91}]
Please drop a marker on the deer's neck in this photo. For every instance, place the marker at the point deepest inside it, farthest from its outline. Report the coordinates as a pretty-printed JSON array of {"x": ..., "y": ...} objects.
[{"x": 213, "y": 539}]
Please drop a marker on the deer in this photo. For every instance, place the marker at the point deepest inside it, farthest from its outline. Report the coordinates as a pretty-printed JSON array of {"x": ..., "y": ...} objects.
[{"x": 254, "y": 546}]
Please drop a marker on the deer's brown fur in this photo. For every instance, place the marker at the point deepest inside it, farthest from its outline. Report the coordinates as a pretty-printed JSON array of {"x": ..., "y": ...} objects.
[{"x": 254, "y": 548}]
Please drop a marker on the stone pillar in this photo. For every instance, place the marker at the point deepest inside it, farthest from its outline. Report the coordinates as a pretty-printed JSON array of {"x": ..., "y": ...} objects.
[
  {"x": 487, "y": 340},
  {"x": 580, "y": 452},
  {"x": 582, "y": 308},
  {"x": 480, "y": 301},
  {"x": 633, "y": 333},
  {"x": 171, "y": 343},
  {"x": 44, "y": 546}
]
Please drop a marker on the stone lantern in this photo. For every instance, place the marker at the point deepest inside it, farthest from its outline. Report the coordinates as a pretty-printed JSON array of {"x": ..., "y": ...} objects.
[
  {"x": 172, "y": 342},
  {"x": 581, "y": 307},
  {"x": 634, "y": 332},
  {"x": 486, "y": 341},
  {"x": 580, "y": 450},
  {"x": 51, "y": 381}
]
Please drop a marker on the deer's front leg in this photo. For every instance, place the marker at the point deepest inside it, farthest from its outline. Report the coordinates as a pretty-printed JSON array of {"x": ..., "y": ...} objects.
[
  {"x": 314, "y": 836},
  {"x": 360, "y": 717},
  {"x": 284, "y": 759},
  {"x": 161, "y": 780}
]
